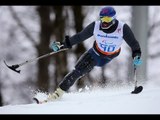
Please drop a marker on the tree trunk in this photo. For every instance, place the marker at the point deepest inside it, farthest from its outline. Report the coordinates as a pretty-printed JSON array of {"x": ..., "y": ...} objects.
[
  {"x": 78, "y": 18},
  {"x": 1, "y": 103},
  {"x": 140, "y": 29},
  {"x": 60, "y": 58},
  {"x": 43, "y": 47}
]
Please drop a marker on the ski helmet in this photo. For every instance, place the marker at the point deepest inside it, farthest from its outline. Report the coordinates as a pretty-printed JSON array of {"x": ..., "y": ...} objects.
[{"x": 107, "y": 17}]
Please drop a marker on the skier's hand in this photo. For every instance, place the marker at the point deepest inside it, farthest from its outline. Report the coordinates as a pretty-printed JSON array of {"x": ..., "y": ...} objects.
[
  {"x": 137, "y": 60},
  {"x": 56, "y": 46}
]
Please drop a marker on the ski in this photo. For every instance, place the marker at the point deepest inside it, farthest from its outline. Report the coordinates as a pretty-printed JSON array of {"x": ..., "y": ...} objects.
[
  {"x": 40, "y": 97},
  {"x": 36, "y": 100},
  {"x": 137, "y": 90}
]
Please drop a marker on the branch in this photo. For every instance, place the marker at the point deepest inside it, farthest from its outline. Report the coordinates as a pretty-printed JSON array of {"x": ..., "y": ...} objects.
[
  {"x": 155, "y": 55},
  {"x": 153, "y": 26},
  {"x": 20, "y": 24}
]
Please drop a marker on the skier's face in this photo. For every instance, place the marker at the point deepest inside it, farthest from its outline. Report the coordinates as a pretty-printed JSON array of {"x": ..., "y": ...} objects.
[{"x": 106, "y": 22}]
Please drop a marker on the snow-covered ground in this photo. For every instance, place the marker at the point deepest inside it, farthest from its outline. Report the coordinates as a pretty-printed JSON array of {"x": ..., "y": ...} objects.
[{"x": 98, "y": 101}]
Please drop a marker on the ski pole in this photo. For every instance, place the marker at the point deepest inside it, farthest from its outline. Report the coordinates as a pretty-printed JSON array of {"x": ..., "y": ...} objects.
[
  {"x": 14, "y": 67},
  {"x": 139, "y": 88}
]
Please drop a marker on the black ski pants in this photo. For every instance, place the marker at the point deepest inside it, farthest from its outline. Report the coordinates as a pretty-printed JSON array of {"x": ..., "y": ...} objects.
[{"x": 83, "y": 66}]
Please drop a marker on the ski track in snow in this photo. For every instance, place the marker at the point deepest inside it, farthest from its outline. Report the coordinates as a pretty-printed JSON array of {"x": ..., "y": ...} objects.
[{"x": 98, "y": 101}]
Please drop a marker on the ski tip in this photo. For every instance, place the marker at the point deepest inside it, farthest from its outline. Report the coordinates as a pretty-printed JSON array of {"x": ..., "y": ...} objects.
[
  {"x": 137, "y": 90},
  {"x": 36, "y": 100}
]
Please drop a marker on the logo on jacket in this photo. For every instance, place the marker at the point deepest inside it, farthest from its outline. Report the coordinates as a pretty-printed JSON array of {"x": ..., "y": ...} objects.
[
  {"x": 119, "y": 30},
  {"x": 107, "y": 36}
]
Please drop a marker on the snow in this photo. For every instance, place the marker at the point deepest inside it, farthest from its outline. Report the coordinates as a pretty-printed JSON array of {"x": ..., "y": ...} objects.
[{"x": 118, "y": 100}]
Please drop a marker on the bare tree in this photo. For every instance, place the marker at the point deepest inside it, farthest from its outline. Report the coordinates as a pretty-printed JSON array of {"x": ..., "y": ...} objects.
[
  {"x": 78, "y": 18},
  {"x": 140, "y": 29},
  {"x": 43, "y": 47},
  {"x": 155, "y": 24},
  {"x": 1, "y": 103},
  {"x": 58, "y": 27},
  {"x": 48, "y": 28}
]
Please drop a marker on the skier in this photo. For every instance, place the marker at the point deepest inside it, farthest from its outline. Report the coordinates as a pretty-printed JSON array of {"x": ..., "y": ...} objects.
[{"x": 109, "y": 33}]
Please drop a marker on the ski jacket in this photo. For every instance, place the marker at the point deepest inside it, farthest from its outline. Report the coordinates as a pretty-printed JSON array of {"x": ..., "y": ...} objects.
[{"x": 119, "y": 30}]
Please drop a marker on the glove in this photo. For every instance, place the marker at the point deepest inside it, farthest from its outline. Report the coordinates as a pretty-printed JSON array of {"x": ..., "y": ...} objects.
[
  {"x": 136, "y": 55},
  {"x": 67, "y": 43},
  {"x": 56, "y": 46},
  {"x": 137, "y": 60}
]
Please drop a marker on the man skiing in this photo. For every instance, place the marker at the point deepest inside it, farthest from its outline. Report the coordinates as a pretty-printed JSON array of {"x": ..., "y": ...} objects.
[{"x": 109, "y": 34}]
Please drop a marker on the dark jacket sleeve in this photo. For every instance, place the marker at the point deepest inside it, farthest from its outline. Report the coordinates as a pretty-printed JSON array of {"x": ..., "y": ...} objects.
[
  {"x": 130, "y": 39},
  {"x": 86, "y": 33}
]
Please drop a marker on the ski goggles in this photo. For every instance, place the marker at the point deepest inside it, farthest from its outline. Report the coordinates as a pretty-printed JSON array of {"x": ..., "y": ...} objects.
[{"x": 106, "y": 19}]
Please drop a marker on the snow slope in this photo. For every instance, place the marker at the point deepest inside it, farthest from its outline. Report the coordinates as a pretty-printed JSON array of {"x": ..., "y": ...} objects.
[{"x": 97, "y": 101}]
